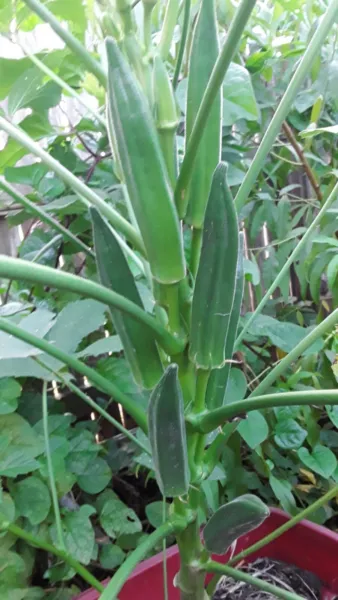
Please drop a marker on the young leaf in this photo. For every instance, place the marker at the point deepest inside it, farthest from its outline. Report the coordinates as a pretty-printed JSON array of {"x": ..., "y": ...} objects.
[
  {"x": 115, "y": 517},
  {"x": 218, "y": 379},
  {"x": 167, "y": 435},
  {"x": 215, "y": 281},
  {"x": 96, "y": 477},
  {"x": 204, "y": 52},
  {"x": 321, "y": 460},
  {"x": 232, "y": 520},
  {"x": 78, "y": 533},
  {"x": 254, "y": 429},
  {"x": 10, "y": 390},
  {"x": 138, "y": 341},
  {"x": 132, "y": 132},
  {"x": 32, "y": 499}
]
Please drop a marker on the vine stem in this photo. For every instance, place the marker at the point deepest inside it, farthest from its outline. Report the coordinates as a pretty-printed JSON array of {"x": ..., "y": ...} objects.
[
  {"x": 51, "y": 477},
  {"x": 284, "y": 270},
  {"x": 38, "y": 543},
  {"x": 70, "y": 40},
  {"x": 208, "y": 421},
  {"x": 285, "y": 104},
  {"x": 44, "y": 217},
  {"x": 15, "y": 268},
  {"x": 214, "y": 567},
  {"x": 86, "y": 194},
  {"x": 216, "y": 79},
  {"x": 101, "y": 382}
]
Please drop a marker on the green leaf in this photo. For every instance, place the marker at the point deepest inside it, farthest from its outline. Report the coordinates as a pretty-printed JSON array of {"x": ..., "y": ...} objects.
[
  {"x": 236, "y": 388},
  {"x": 254, "y": 429},
  {"x": 78, "y": 534},
  {"x": 283, "y": 335},
  {"x": 19, "y": 446},
  {"x": 7, "y": 510},
  {"x": 283, "y": 491},
  {"x": 12, "y": 582},
  {"x": 32, "y": 499},
  {"x": 232, "y": 520},
  {"x": 96, "y": 478},
  {"x": 77, "y": 320},
  {"x": 34, "y": 244},
  {"x": 167, "y": 435},
  {"x": 312, "y": 132},
  {"x": 115, "y": 517},
  {"x": 216, "y": 277},
  {"x": 38, "y": 322},
  {"x": 239, "y": 100},
  {"x": 332, "y": 272},
  {"x": 10, "y": 391},
  {"x": 30, "y": 90},
  {"x": 321, "y": 460},
  {"x": 332, "y": 412},
  {"x": 154, "y": 512},
  {"x": 104, "y": 346},
  {"x": 111, "y": 556},
  {"x": 138, "y": 341},
  {"x": 289, "y": 434}
]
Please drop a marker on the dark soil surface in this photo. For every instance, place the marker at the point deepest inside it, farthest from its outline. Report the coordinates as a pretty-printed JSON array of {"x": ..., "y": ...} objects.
[{"x": 275, "y": 572}]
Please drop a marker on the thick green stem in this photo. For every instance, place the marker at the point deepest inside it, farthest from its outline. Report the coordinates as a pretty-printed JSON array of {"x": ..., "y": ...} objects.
[
  {"x": 302, "y": 71},
  {"x": 214, "y": 567},
  {"x": 147, "y": 12},
  {"x": 43, "y": 67},
  {"x": 103, "y": 384},
  {"x": 169, "y": 23},
  {"x": 324, "y": 327},
  {"x": 84, "y": 192},
  {"x": 183, "y": 41},
  {"x": 208, "y": 421},
  {"x": 72, "y": 42},
  {"x": 51, "y": 477},
  {"x": 15, "y": 268},
  {"x": 170, "y": 297},
  {"x": 217, "y": 76},
  {"x": 45, "y": 218},
  {"x": 37, "y": 543},
  {"x": 122, "y": 574},
  {"x": 88, "y": 400},
  {"x": 285, "y": 269},
  {"x": 304, "y": 514}
]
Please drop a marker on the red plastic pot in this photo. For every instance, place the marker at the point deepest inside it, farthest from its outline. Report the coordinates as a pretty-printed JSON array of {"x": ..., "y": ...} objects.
[{"x": 306, "y": 545}]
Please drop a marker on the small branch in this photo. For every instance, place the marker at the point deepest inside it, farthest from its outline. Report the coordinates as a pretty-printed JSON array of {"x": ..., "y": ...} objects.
[{"x": 299, "y": 151}]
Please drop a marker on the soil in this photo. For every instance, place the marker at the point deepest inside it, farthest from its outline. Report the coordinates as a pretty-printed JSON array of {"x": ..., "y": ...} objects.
[{"x": 275, "y": 572}]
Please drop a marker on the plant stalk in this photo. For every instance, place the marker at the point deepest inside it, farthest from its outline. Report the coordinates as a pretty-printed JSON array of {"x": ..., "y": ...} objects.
[
  {"x": 80, "y": 188},
  {"x": 302, "y": 71},
  {"x": 183, "y": 41},
  {"x": 169, "y": 23},
  {"x": 15, "y": 268},
  {"x": 216, "y": 79},
  {"x": 102, "y": 383},
  {"x": 285, "y": 269},
  {"x": 70, "y": 40}
]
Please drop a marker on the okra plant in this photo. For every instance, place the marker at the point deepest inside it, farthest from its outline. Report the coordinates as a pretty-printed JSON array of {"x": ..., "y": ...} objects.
[{"x": 183, "y": 351}]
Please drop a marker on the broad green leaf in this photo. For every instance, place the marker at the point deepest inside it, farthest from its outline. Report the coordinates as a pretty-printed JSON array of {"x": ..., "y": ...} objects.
[
  {"x": 19, "y": 446},
  {"x": 104, "y": 346},
  {"x": 38, "y": 322},
  {"x": 236, "y": 388},
  {"x": 138, "y": 341},
  {"x": 232, "y": 520},
  {"x": 96, "y": 477},
  {"x": 239, "y": 100},
  {"x": 289, "y": 434},
  {"x": 332, "y": 272},
  {"x": 332, "y": 412},
  {"x": 77, "y": 320},
  {"x": 312, "y": 132},
  {"x": 32, "y": 247},
  {"x": 81, "y": 451},
  {"x": 12, "y": 569},
  {"x": 216, "y": 277},
  {"x": 32, "y": 499},
  {"x": 7, "y": 510},
  {"x": 28, "y": 174},
  {"x": 10, "y": 390},
  {"x": 117, "y": 369},
  {"x": 254, "y": 429},
  {"x": 154, "y": 512},
  {"x": 283, "y": 335},
  {"x": 115, "y": 517},
  {"x": 111, "y": 556},
  {"x": 37, "y": 126},
  {"x": 321, "y": 460},
  {"x": 78, "y": 534},
  {"x": 10, "y": 71},
  {"x": 30, "y": 90},
  {"x": 167, "y": 435},
  {"x": 283, "y": 491}
]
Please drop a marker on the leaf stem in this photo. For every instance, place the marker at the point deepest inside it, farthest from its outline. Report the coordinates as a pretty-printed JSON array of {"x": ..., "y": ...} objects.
[
  {"x": 208, "y": 421},
  {"x": 51, "y": 477},
  {"x": 214, "y": 567},
  {"x": 284, "y": 270},
  {"x": 216, "y": 79},
  {"x": 183, "y": 40},
  {"x": 101, "y": 382},
  {"x": 123, "y": 572},
  {"x": 302, "y": 71},
  {"x": 70, "y": 40},
  {"x": 86, "y": 194},
  {"x": 44, "y": 217},
  {"x": 15, "y": 268},
  {"x": 38, "y": 543}
]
